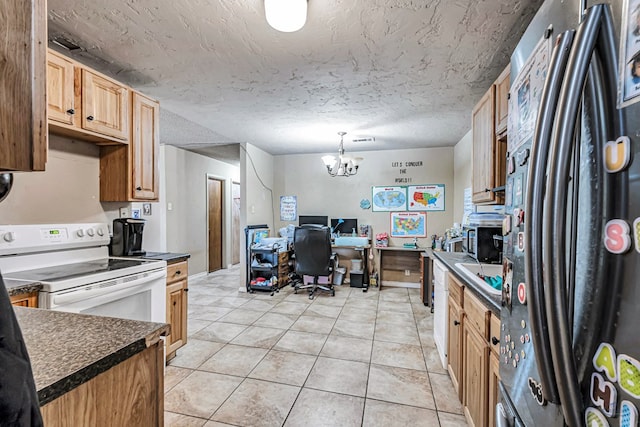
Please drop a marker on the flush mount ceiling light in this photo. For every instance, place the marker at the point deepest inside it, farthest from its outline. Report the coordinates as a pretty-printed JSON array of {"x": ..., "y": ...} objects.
[
  {"x": 343, "y": 165},
  {"x": 286, "y": 15}
]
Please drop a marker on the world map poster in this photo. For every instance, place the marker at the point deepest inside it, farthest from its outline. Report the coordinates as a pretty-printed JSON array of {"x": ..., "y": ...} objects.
[
  {"x": 387, "y": 199},
  {"x": 408, "y": 224},
  {"x": 426, "y": 197}
]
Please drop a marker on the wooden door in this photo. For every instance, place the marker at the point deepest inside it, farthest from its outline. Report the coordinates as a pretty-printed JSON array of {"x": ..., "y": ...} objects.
[
  {"x": 60, "y": 91},
  {"x": 177, "y": 315},
  {"x": 215, "y": 224},
  {"x": 494, "y": 379},
  {"x": 105, "y": 106},
  {"x": 145, "y": 147},
  {"x": 235, "y": 223}
]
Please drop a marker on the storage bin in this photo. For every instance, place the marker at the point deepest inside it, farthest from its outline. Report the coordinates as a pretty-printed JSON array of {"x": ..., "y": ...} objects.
[
  {"x": 356, "y": 265},
  {"x": 356, "y": 279},
  {"x": 338, "y": 275}
]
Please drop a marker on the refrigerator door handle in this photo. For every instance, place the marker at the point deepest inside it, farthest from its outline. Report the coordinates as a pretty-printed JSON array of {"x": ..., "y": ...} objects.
[
  {"x": 534, "y": 208},
  {"x": 554, "y": 222}
]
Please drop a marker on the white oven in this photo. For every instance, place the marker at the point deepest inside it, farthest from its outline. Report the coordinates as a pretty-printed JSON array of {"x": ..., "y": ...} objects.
[{"x": 72, "y": 263}]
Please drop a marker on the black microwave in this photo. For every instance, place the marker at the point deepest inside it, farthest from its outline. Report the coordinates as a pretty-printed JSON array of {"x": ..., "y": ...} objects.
[{"x": 483, "y": 243}]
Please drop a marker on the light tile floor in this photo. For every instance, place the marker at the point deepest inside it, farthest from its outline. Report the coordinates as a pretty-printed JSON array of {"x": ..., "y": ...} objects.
[{"x": 356, "y": 359}]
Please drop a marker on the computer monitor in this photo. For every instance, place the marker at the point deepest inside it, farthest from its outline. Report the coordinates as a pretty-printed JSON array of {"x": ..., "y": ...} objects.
[
  {"x": 344, "y": 225},
  {"x": 313, "y": 219}
]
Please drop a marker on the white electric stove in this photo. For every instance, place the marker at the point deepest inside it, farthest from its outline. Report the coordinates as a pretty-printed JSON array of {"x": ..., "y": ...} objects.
[{"x": 72, "y": 263}]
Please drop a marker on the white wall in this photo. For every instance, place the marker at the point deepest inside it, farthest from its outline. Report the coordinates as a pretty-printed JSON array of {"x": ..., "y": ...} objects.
[
  {"x": 317, "y": 193},
  {"x": 186, "y": 191},
  {"x": 462, "y": 167},
  {"x": 257, "y": 197},
  {"x": 67, "y": 192}
]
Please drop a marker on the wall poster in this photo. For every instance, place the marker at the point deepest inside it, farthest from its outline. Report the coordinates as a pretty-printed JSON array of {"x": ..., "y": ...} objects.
[
  {"x": 426, "y": 197},
  {"x": 629, "y": 67},
  {"x": 408, "y": 224},
  {"x": 389, "y": 199},
  {"x": 288, "y": 208}
]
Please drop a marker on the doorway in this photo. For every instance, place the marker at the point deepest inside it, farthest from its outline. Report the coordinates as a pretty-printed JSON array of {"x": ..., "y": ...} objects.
[
  {"x": 215, "y": 198},
  {"x": 235, "y": 222}
]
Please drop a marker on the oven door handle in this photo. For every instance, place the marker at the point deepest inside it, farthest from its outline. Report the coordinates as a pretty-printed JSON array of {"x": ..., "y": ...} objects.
[{"x": 102, "y": 288}]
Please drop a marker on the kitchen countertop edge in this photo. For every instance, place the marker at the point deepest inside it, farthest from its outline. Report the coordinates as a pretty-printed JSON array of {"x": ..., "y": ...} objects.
[
  {"x": 450, "y": 259},
  {"x": 21, "y": 287},
  {"x": 63, "y": 358}
]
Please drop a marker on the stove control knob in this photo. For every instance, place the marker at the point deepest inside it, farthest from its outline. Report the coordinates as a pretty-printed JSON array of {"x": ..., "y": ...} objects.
[
  {"x": 90, "y": 232},
  {"x": 9, "y": 237},
  {"x": 80, "y": 233},
  {"x": 100, "y": 232}
]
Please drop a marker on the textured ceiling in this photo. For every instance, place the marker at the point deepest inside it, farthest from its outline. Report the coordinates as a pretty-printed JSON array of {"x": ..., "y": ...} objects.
[{"x": 406, "y": 72}]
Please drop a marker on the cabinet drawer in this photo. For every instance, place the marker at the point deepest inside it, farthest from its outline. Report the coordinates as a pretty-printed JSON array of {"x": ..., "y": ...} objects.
[
  {"x": 494, "y": 332},
  {"x": 456, "y": 290},
  {"x": 177, "y": 271},
  {"x": 477, "y": 315}
]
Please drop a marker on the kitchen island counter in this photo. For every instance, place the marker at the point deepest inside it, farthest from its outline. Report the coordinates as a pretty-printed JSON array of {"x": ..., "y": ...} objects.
[{"x": 69, "y": 349}]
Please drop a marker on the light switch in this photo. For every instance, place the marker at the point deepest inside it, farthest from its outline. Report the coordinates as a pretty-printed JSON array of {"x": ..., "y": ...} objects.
[
  {"x": 169, "y": 206},
  {"x": 124, "y": 212}
]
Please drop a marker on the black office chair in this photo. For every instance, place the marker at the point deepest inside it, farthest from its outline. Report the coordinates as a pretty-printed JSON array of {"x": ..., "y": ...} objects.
[{"x": 312, "y": 248}]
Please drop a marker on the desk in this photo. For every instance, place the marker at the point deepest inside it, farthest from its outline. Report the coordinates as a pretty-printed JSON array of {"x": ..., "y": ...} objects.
[
  {"x": 400, "y": 266},
  {"x": 347, "y": 253}
]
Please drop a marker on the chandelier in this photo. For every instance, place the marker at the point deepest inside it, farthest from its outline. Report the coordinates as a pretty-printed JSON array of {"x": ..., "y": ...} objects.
[{"x": 343, "y": 165}]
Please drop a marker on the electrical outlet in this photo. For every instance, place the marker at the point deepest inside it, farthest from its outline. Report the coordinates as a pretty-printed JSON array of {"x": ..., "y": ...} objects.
[
  {"x": 407, "y": 272},
  {"x": 124, "y": 212}
]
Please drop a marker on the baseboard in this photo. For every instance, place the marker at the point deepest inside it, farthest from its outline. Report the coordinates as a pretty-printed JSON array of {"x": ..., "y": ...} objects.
[
  {"x": 197, "y": 275},
  {"x": 395, "y": 284}
]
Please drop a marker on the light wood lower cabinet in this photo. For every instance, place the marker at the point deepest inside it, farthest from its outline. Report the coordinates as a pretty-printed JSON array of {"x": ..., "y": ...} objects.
[
  {"x": 25, "y": 300},
  {"x": 472, "y": 355},
  {"x": 129, "y": 394},
  {"x": 177, "y": 299}
]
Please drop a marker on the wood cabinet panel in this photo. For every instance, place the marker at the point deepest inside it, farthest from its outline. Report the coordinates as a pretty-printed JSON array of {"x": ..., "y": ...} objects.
[
  {"x": 494, "y": 379},
  {"x": 177, "y": 271},
  {"x": 502, "y": 100},
  {"x": 145, "y": 147},
  {"x": 455, "y": 345},
  {"x": 483, "y": 123},
  {"x": 475, "y": 373},
  {"x": 494, "y": 334},
  {"x": 23, "y": 116},
  {"x": 25, "y": 300},
  {"x": 105, "y": 106},
  {"x": 129, "y": 394},
  {"x": 477, "y": 315},
  {"x": 177, "y": 315},
  {"x": 456, "y": 290},
  {"x": 60, "y": 92}
]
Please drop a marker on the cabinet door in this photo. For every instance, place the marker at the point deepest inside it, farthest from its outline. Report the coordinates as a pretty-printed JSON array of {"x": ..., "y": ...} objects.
[
  {"x": 502, "y": 100},
  {"x": 475, "y": 372},
  {"x": 23, "y": 115},
  {"x": 105, "y": 106},
  {"x": 60, "y": 92},
  {"x": 454, "y": 346},
  {"x": 494, "y": 379},
  {"x": 26, "y": 300},
  {"x": 176, "y": 315},
  {"x": 145, "y": 147},
  {"x": 483, "y": 149}
]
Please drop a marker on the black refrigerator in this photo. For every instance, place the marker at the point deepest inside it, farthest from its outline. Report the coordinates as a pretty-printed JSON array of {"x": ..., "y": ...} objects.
[{"x": 570, "y": 339}]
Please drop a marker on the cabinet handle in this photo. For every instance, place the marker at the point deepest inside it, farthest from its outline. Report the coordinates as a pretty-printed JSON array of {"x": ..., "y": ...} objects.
[
  {"x": 186, "y": 289},
  {"x": 177, "y": 273},
  {"x": 494, "y": 340},
  {"x": 138, "y": 188},
  {"x": 486, "y": 190},
  {"x": 90, "y": 118},
  {"x": 71, "y": 111},
  {"x": 456, "y": 323}
]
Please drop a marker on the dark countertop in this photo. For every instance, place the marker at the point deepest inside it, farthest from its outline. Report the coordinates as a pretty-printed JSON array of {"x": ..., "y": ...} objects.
[
  {"x": 450, "y": 259},
  {"x": 169, "y": 257},
  {"x": 21, "y": 287},
  {"x": 69, "y": 349}
]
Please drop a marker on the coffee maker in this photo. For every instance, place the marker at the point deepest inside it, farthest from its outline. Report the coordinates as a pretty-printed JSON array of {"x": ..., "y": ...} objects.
[{"x": 127, "y": 237}]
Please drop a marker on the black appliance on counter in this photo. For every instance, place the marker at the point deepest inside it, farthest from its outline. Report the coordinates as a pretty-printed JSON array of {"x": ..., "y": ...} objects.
[{"x": 127, "y": 237}]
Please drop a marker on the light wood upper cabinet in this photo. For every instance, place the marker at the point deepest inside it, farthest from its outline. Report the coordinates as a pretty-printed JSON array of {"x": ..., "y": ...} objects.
[
  {"x": 502, "y": 100},
  {"x": 23, "y": 115},
  {"x": 489, "y": 122},
  {"x": 105, "y": 106},
  {"x": 60, "y": 92},
  {"x": 130, "y": 173},
  {"x": 483, "y": 148},
  {"x": 145, "y": 145}
]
